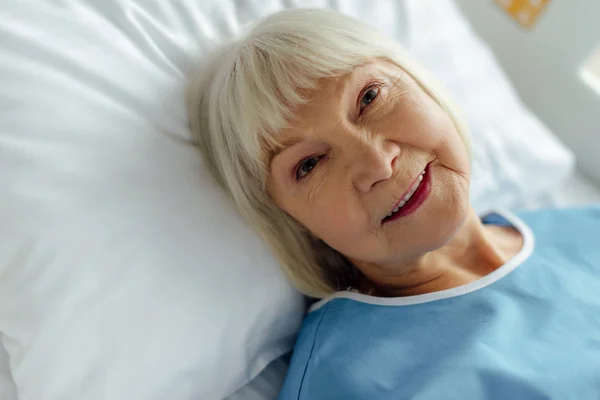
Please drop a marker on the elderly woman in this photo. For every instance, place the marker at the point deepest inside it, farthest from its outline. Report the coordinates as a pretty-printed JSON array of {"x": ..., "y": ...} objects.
[{"x": 354, "y": 166}]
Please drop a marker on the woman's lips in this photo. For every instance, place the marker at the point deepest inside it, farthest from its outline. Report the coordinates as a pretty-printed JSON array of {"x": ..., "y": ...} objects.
[{"x": 416, "y": 200}]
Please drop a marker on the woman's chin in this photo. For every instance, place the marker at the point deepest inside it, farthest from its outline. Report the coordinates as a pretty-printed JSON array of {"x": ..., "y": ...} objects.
[{"x": 431, "y": 227}]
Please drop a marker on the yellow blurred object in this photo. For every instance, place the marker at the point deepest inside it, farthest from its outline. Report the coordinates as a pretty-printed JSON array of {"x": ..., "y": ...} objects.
[{"x": 525, "y": 12}]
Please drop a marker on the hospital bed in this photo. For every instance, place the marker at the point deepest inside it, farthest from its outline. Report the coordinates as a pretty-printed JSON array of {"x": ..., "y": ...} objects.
[
  {"x": 547, "y": 67},
  {"x": 546, "y": 64}
]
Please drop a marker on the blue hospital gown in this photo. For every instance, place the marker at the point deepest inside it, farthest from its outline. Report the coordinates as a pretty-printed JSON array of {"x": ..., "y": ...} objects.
[{"x": 529, "y": 330}]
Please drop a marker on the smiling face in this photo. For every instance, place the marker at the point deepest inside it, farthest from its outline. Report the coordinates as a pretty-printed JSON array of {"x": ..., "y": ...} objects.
[{"x": 367, "y": 144}]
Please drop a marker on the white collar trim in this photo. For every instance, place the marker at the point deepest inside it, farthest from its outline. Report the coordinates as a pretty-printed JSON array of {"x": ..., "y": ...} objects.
[{"x": 518, "y": 259}]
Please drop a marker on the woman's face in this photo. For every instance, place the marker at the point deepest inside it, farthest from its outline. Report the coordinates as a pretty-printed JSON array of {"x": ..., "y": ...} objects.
[{"x": 365, "y": 145}]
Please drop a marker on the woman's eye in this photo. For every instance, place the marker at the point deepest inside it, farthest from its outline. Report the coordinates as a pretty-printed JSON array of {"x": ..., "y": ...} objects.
[
  {"x": 305, "y": 166},
  {"x": 368, "y": 96}
]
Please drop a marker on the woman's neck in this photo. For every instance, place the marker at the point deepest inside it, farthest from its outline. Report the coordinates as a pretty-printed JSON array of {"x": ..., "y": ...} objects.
[{"x": 475, "y": 251}]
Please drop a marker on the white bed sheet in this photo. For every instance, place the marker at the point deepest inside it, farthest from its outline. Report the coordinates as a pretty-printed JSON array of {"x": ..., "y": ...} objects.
[{"x": 575, "y": 191}]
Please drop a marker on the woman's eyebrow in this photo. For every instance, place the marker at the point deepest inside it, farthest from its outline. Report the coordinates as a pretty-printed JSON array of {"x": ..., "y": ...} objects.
[
  {"x": 284, "y": 145},
  {"x": 355, "y": 82}
]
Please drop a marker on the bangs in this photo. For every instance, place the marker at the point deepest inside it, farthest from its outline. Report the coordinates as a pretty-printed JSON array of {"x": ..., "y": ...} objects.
[
  {"x": 271, "y": 85},
  {"x": 274, "y": 71}
]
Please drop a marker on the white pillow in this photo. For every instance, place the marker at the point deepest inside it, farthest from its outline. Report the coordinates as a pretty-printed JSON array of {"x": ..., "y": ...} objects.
[
  {"x": 124, "y": 271},
  {"x": 267, "y": 385},
  {"x": 515, "y": 156}
]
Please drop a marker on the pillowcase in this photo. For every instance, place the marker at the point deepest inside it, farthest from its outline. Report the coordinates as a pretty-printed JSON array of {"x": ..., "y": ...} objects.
[
  {"x": 515, "y": 156},
  {"x": 125, "y": 272}
]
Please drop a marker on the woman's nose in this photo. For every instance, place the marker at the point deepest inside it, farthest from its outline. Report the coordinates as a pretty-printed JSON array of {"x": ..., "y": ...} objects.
[{"x": 374, "y": 163}]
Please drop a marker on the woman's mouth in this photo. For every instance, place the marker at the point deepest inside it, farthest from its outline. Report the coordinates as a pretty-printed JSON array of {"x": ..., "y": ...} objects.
[{"x": 414, "y": 198}]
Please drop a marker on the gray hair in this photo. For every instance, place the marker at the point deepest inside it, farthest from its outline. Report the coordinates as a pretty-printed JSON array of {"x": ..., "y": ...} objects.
[{"x": 245, "y": 92}]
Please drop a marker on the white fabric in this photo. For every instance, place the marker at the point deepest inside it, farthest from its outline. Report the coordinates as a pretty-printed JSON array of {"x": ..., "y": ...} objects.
[
  {"x": 266, "y": 385},
  {"x": 124, "y": 272},
  {"x": 575, "y": 190}
]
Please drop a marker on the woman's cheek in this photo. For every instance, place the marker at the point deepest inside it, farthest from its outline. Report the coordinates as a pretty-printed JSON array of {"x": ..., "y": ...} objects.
[{"x": 340, "y": 222}]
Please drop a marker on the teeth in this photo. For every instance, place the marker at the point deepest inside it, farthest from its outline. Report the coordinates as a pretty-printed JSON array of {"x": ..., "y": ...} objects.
[
  {"x": 409, "y": 195},
  {"x": 412, "y": 191}
]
